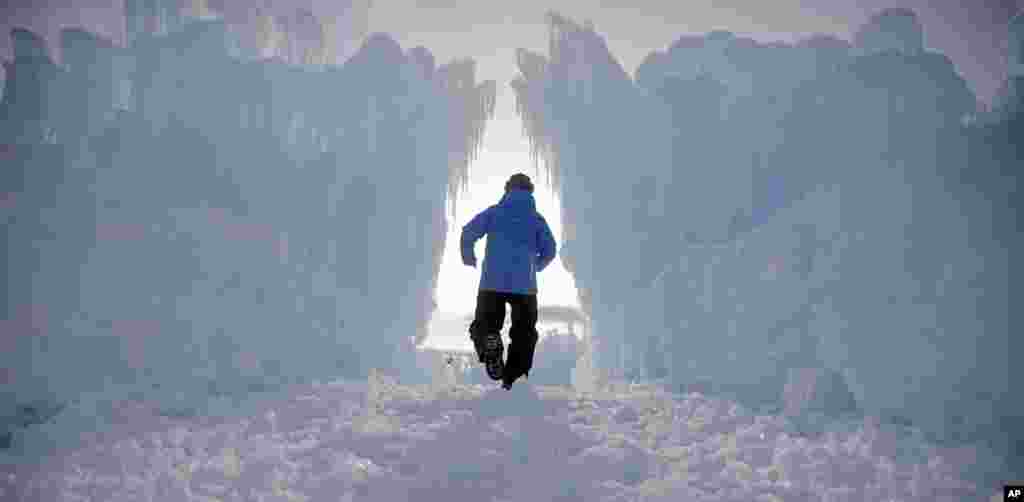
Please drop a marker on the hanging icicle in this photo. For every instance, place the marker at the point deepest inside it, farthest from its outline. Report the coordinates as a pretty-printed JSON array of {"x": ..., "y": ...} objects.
[
  {"x": 470, "y": 106},
  {"x": 441, "y": 79},
  {"x": 461, "y": 128},
  {"x": 567, "y": 46},
  {"x": 328, "y": 35},
  {"x": 198, "y": 9},
  {"x": 481, "y": 106},
  {"x": 529, "y": 96},
  {"x": 269, "y": 35}
]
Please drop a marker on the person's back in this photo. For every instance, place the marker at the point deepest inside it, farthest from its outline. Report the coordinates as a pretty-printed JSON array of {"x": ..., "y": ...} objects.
[{"x": 519, "y": 244}]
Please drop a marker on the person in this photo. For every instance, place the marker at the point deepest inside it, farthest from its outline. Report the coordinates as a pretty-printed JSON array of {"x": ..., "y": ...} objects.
[{"x": 519, "y": 245}]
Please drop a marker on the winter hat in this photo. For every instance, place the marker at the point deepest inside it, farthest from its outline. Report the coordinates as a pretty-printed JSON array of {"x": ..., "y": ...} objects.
[{"x": 519, "y": 181}]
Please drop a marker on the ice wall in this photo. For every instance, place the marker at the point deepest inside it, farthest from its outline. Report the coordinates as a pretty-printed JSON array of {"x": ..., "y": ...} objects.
[
  {"x": 747, "y": 208},
  {"x": 180, "y": 216}
]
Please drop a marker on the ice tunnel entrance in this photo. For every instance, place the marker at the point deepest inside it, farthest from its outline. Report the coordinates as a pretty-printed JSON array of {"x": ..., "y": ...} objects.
[{"x": 457, "y": 284}]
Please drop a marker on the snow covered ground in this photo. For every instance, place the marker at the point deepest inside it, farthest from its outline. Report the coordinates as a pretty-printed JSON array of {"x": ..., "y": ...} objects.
[{"x": 378, "y": 440}]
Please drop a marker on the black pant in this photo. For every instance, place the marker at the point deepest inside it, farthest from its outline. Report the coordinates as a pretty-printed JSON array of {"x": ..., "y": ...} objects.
[{"x": 490, "y": 317}]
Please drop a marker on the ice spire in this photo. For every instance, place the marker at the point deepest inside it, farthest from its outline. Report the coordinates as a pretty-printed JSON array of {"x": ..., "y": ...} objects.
[
  {"x": 583, "y": 380},
  {"x": 567, "y": 66},
  {"x": 373, "y": 420},
  {"x": 198, "y": 9},
  {"x": 328, "y": 34},
  {"x": 567, "y": 72},
  {"x": 373, "y": 392},
  {"x": 270, "y": 36},
  {"x": 444, "y": 373}
]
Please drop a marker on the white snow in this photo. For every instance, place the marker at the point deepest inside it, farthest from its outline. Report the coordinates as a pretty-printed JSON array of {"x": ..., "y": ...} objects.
[{"x": 381, "y": 440}]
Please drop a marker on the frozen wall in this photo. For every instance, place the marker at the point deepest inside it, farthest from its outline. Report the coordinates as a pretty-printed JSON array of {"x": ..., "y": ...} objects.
[
  {"x": 748, "y": 208},
  {"x": 192, "y": 221}
]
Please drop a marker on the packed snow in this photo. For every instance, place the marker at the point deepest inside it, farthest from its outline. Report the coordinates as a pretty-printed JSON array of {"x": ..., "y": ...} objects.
[{"x": 380, "y": 440}]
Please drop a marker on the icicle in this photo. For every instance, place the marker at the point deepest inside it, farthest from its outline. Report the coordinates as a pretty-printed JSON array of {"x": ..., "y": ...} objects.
[
  {"x": 373, "y": 392},
  {"x": 444, "y": 374},
  {"x": 231, "y": 463},
  {"x": 311, "y": 56},
  {"x": 269, "y": 36},
  {"x": 566, "y": 39},
  {"x": 198, "y": 9},
  {"x": 328, "y": 29},
  {"x": 583, "y": 380},
  {"x": 472, "y": 107}
]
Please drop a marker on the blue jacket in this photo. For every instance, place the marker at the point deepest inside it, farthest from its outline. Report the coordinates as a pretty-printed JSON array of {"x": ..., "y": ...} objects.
[{"x": 519, "y": 244}]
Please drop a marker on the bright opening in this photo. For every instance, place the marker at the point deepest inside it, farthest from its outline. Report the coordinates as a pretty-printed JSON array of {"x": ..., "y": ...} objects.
[{"x": 457, "y": 283}]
